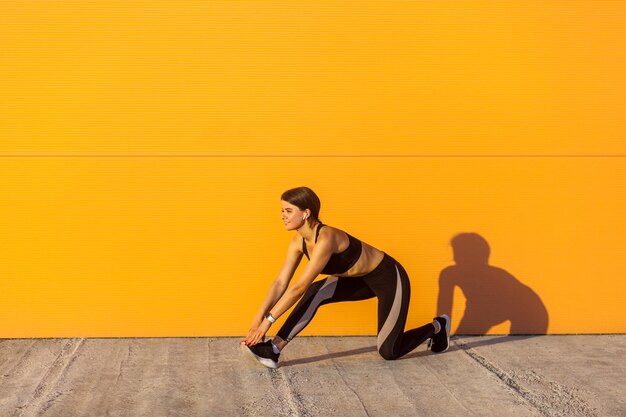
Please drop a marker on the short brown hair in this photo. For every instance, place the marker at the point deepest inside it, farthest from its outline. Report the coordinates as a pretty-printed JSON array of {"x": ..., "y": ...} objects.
[{"x": 304, "y": 198}]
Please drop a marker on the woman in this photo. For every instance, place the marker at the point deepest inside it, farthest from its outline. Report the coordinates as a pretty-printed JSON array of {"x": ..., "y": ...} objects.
[{"x": 357, "y": 271}]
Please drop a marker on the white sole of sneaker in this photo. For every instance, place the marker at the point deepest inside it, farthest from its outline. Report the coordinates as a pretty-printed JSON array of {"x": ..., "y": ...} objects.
[{"x": 263, "y": 361}]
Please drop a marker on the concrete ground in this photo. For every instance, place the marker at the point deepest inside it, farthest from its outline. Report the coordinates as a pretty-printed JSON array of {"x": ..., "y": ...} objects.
[{"x": 319, "y": 376}]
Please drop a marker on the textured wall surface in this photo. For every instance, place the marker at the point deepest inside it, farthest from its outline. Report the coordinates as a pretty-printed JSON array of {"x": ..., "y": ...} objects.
[{"x": 144, "y": 146}]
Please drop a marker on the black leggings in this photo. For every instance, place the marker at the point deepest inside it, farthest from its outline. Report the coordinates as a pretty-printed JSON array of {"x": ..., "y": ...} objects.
[{"x": 390, "y": 283}]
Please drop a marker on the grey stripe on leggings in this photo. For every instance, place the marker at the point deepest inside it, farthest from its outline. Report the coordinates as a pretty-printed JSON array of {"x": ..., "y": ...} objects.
[
  {"x": 326, "y": 292},
  {"x": 394, "y": 313}
]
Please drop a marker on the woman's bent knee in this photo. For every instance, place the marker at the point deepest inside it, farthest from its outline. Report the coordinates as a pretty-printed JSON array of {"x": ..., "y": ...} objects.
[{"x": 387, "y": 354}]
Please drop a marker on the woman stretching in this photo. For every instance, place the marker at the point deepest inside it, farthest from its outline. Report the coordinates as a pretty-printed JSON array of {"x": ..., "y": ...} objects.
[{"x": 357, "y": 271}]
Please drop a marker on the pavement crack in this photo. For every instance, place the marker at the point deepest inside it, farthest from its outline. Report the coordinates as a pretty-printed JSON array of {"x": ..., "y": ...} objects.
[
  {"x": 294, "y": 402},
  {"x": 358, "y": 397},
  {"x": 445, "y": 387},
  {"x": 19, "y": 362},
  {"x": 123, "y": 362},
  {"x": 45, "y": 394},
  {"x": 561, "y": 402}
]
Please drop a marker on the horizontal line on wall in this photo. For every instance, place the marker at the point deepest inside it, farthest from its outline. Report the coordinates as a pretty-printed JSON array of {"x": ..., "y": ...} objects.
[{"x": 203, "y": 155}]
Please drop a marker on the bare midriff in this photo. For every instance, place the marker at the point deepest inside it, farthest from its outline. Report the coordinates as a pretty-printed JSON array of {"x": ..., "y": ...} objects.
[{"x": 369, "y": 259}]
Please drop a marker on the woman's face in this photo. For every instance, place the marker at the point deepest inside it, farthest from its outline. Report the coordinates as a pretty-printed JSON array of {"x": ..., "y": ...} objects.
[{"x": 292, "y": 216}]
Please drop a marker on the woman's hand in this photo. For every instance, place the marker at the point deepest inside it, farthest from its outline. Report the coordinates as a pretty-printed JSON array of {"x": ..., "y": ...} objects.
[{"x": 256, "y": 334}]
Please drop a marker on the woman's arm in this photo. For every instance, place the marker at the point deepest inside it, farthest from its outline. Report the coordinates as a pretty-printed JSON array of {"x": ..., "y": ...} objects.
[
  {"x": 278, "y": 287},
  {"x": 280, "y": 284},
  {"x": 322, "y": 252}
]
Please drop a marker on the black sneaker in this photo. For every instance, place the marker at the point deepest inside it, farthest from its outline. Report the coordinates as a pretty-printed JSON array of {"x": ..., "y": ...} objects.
[
  {"x": 441, "y": 341},
  {"x": 263, "y": 353}
]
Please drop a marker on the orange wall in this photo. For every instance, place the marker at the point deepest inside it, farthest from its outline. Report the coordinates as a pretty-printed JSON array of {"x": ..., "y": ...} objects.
[{"x": 144, "y": 147}]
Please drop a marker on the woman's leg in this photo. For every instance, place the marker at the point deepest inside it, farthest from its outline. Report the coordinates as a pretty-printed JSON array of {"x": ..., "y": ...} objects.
[
  {"x": 325, "y": 291},
  {"x": 391, "y": 285}
]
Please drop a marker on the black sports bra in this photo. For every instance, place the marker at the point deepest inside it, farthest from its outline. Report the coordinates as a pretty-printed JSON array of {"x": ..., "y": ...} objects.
[{"x": 338, "y": 262}]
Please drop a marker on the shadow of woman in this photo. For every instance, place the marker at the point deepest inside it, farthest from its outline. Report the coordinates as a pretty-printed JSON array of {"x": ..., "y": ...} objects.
[{"x": 493, "y": 296}]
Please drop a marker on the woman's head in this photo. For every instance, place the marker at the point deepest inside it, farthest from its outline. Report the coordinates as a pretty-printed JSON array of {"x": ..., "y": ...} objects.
[{"x": 306, "y": 202}]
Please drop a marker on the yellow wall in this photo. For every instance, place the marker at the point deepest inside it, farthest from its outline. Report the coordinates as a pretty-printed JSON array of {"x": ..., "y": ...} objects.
[{"x": 144, "y": 146}]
